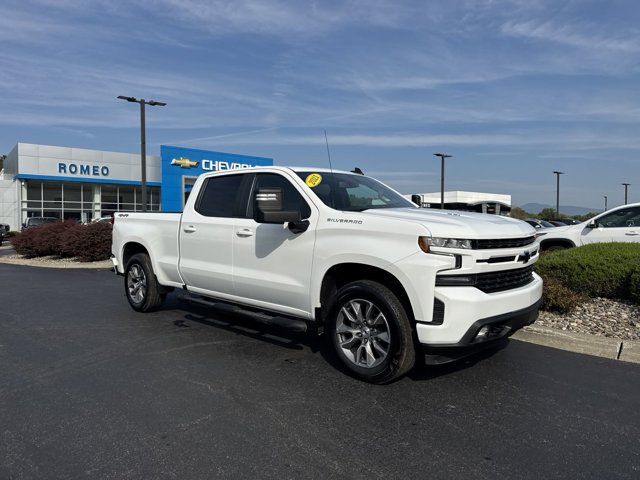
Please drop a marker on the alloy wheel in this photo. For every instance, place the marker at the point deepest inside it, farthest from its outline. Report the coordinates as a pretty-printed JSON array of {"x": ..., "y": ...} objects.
[
  {"x": 136, "y": 284},
  {"x": 363, "y": 333}
]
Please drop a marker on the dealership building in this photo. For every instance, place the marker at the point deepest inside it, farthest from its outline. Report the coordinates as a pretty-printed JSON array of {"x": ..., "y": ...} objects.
[
  {"x": 493, "y": 203},
  {"x": 82, "y": 184}
]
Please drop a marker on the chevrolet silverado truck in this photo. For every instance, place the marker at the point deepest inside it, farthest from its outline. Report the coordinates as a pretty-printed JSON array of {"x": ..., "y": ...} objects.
[
  {"x": 343, "y": 254},
  {"x": 620, "y": 224}
]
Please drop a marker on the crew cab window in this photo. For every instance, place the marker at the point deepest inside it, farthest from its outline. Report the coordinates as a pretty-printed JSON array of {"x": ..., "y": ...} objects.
[
  {"x": 623, "y": 218},
  {"x": 291, "y": 198},
  {"x": 219, "y": 196}
]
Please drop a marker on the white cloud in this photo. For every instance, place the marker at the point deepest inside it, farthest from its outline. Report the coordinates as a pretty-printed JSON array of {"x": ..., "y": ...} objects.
[{"x": 587, "y": 36}]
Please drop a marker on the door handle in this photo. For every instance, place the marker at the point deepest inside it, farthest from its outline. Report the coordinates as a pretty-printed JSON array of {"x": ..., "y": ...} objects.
[
  {"x": 189, "y": 229},
  {"x": 245, "y": 232},
  {"x": 631, "y": 233}
]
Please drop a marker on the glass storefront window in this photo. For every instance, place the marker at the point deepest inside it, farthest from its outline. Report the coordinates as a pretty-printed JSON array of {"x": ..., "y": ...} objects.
[
  {"x": 72, "y": 192},
  {"x": 73, "y": 200},
  {"x": 34, "y": 190}
]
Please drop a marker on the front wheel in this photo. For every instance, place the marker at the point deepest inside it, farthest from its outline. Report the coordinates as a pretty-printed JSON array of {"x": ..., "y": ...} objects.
[
  {"x": 140, "y": 284},
  {"x": 371, "y": 332}
]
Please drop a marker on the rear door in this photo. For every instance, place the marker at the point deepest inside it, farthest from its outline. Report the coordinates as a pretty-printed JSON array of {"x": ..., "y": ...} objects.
[
  {"x": 272, "y": 265},
  {"x": 207, "y": 232}
]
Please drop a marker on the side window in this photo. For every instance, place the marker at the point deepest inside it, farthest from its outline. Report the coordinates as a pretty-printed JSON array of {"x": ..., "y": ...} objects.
[
  {"x": 623, "y": 218},
  {"x": 291, "y": 198},
  {"x": 219, "y": 197}
]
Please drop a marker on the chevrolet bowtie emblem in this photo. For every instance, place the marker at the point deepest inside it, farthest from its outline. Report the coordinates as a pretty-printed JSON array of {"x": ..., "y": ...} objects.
[{"x": 184, "y": 162}]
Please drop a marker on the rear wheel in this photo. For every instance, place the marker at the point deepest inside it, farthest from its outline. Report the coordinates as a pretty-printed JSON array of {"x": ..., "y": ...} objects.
[
  {"x": 371, "y": 333},
  {"x": 140, "y": 284}
]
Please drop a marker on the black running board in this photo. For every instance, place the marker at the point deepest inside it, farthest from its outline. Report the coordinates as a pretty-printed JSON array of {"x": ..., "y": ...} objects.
[{"x": 290, "y": 324}]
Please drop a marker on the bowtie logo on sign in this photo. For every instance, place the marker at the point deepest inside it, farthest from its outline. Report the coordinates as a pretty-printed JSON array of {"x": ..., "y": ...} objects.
[{"x": 184, "y": 162}]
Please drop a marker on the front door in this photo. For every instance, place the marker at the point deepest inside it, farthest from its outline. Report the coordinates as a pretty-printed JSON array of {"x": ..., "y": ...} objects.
[
  {"x": 622, "y": 225},
  {"x": 272, "y": 265},
  {"x": 206, "y": 235}
]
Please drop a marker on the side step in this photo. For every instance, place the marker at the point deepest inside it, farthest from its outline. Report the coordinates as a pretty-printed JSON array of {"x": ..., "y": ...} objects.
[{"x": 290, "y": 324}]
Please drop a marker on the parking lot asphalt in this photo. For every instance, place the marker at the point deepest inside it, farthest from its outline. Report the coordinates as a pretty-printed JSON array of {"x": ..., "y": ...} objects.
[{"x": 91, "y": 389}]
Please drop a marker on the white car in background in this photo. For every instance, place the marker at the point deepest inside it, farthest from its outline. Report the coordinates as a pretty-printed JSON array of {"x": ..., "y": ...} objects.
[{"x": 621, "y": 224}]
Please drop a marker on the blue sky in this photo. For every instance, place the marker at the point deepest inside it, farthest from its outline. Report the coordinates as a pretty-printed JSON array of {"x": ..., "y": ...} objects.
[{"x": 513, "y": 89}]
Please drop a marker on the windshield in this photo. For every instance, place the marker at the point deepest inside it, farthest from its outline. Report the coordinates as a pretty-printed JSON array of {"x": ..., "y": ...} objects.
[{"x": 352, "y": 193}]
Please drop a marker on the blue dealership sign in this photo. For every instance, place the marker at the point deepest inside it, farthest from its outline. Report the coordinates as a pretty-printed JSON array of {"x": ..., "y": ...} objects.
[{"x": 180, "y": 166}]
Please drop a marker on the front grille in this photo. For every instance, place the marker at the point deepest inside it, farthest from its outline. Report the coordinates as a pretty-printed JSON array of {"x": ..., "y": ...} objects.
[
  {"x": 503, "y": 243},
  {"x": 504, "y": 280}
]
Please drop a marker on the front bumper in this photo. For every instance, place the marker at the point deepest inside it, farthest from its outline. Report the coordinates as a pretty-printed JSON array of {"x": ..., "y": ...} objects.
[
  {"x": 498, "y": 328},
  {"x": 465, "y": 306}
]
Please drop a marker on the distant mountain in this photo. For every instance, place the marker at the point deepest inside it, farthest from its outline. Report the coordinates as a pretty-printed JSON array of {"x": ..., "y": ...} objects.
[{"x": 566, "y": 209}]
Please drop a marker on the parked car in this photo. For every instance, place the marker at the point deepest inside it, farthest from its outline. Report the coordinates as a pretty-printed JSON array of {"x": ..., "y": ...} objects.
[
  {"x": 31, "y": 222},
  {"x": 340, "y": 253},
  {"x": 566, "y": 221},
  {"x": 621, "y": 224},
  {"x": 556, "y": 223},
  {"x": 4, "y": 231},
  {"x": 539, "y": 224}
]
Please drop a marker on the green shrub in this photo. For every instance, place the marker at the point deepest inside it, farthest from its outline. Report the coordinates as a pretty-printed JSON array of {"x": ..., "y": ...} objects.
[
  {"x": 558, "y": 298},
  {"x": 597, "y": 270},
  {"x": 634, "y": 285}
]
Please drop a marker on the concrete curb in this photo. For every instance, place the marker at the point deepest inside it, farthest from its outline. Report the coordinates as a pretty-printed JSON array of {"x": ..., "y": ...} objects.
[
  {"x": 30, "y": 262},
  {"x": 612, "y": 348}
]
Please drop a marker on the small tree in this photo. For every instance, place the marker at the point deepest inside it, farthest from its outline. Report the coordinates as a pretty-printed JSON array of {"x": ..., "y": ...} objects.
[
  {"x": 548, "y": 213},
  {"x": 519, "y": 213}
]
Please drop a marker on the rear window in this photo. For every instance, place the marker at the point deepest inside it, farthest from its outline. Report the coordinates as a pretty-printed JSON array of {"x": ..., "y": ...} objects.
[{"x": 219, "y": 196}]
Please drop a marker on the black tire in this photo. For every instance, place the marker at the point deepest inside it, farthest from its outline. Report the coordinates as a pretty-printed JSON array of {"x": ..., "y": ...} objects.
[
  {"x": 400, "y": 348},
  {"x": 152, "y": 296}
]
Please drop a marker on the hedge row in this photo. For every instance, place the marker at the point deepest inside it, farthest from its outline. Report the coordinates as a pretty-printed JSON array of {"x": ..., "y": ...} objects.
[
  {"x": 609, "y": 270},
  {"x": 67, "y": 239}
]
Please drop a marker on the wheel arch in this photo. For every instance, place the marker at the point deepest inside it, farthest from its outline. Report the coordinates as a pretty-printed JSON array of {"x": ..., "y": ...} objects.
[
  {"x": 552, "y": 242},
  {"x": 340, "y": 274},
  {"x": 132, "y": 248}
]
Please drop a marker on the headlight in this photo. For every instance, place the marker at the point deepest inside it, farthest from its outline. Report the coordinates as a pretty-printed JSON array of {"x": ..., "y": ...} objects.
[{"x": 449, "y": 242}]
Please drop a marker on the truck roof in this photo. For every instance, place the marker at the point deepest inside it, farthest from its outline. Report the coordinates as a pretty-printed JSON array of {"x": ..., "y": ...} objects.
[{"x": 283, "y": 169}]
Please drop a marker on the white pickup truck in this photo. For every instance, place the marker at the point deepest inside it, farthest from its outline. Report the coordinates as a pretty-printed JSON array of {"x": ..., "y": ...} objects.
[
  {"x": 381, "y": 278},
  {"x": 620, "y": 224}
]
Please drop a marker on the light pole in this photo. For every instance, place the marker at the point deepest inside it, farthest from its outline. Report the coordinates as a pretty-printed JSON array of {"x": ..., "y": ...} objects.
[
  {"x": 143, "y": 142},
  {"x": 442, "y": 157},
  {"x": 605, "y": 203},
  {"x": 558, "y": 192},
  {"x": 626, "y": 187}
]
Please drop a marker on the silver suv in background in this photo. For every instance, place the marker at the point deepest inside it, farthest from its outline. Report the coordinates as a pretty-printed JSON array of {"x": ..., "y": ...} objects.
[{"x": 38, "y": 221}]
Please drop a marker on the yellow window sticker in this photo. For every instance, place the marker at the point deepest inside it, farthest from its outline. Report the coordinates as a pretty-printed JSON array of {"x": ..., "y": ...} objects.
[{"x": 313, "y": 180}]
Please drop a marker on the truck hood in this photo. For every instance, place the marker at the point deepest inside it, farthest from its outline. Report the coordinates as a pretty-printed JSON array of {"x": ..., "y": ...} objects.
[{"x": 455, "y": 224}]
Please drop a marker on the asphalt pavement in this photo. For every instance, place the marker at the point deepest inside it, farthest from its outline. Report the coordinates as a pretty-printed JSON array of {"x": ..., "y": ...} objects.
[{"x": 91, "y": 389}]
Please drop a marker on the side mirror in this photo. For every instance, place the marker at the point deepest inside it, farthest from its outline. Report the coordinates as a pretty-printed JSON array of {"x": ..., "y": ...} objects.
[
  {"x": 417, "y": 199},
  {"x": 592, "y": 224},
  {"x": 268, "y": 208}
]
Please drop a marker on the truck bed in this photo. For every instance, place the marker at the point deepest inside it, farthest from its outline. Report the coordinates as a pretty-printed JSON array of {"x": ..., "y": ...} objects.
[{"x": 158, "y": 232}]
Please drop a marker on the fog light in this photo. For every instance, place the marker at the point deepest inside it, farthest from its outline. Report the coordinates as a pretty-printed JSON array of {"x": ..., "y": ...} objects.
[{"x": 482, "y": 333}]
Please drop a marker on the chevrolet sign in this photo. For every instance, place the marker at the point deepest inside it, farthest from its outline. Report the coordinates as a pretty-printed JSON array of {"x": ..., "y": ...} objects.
[{"x": 184, "y": 162}]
